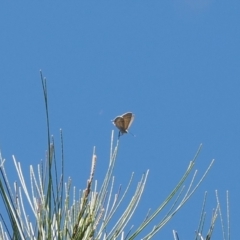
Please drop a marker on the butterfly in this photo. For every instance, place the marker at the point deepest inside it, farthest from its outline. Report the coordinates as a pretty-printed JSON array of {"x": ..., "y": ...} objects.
[{"x": 123, "y": 122}]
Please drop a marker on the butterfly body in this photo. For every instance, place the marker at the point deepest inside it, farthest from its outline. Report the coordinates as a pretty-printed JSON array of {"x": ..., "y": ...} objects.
[{"x": 123, "y": 122}]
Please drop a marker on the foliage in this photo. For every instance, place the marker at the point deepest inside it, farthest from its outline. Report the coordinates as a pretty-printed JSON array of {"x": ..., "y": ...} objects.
[{"x": 54, "y": 217}]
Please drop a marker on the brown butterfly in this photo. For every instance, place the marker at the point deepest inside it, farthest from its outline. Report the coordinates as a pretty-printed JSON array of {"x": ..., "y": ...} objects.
[{"x": 123, "y": 122}]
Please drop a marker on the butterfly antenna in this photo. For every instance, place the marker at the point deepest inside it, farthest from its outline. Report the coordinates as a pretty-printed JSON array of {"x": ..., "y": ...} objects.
[{"x": 132, "y": 134}]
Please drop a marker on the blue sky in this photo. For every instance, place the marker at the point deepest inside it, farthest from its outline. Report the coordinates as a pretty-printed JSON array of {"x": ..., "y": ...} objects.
[{"x": 174, "y": 64}]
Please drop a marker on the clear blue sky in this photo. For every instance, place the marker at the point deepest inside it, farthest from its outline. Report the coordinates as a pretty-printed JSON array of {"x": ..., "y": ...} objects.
[{"x": 175, "y": 64}]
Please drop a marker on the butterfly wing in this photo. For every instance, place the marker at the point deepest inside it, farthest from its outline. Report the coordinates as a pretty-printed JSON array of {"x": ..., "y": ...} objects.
[
  {"x": 128, "y": 119},
  {"x": 119, "y": 123}
]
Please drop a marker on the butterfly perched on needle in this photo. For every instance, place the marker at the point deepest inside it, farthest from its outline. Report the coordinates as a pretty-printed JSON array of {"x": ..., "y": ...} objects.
[{"x": 123, "y": 122}]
